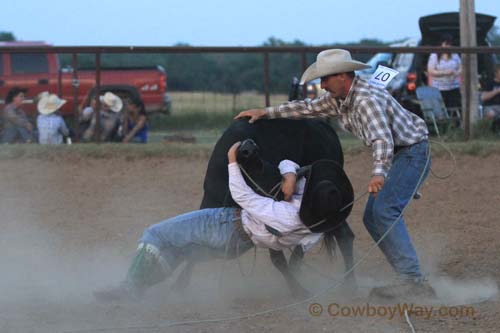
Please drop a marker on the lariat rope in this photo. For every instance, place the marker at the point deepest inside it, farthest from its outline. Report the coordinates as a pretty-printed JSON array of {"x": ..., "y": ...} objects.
[{"x": 332, "y": 286}]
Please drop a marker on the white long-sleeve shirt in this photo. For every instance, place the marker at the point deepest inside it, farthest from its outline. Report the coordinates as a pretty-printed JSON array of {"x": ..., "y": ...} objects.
[{"x": 258, "y": 211}]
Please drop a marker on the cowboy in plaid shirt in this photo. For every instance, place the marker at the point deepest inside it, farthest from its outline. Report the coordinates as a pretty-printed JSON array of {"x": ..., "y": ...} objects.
[{"x": 401, "y": 157}]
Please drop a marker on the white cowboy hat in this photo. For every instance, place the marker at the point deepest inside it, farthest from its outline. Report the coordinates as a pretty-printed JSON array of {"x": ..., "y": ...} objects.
[
  {"x": 49, "y": 103},
  {"x": 112, "y": 101},
  {"x": 333, "y": 61},
  {"x": 42, "y": 95}
]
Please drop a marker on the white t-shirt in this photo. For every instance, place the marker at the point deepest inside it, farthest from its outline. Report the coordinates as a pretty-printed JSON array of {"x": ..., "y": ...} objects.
[
  {"x": 258, "y": 211},
  {"x": 447, "y": 82}
]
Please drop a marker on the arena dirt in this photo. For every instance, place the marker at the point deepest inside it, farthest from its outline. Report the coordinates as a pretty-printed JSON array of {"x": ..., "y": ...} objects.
[{"x": 69, "y": 226}]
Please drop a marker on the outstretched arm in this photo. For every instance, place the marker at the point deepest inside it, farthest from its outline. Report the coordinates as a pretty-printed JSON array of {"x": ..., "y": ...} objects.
[
  {"x": 321, "y": 107},
  {"x": 254, "y": 114}
]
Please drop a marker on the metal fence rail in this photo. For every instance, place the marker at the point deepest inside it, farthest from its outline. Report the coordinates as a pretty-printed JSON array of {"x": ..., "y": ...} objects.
[
  {"x": 265, "y": 51},
  {"x": 98, "y": 51}
]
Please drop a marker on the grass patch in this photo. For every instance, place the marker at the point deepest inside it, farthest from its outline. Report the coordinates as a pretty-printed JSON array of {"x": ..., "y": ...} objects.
[
  {"x": 207, "y": 110},
  {"x": 210, "y": 102},
  {"x": 481, "y": 148},
  {"x": 205, "y": 141},
  {"x": 483, "y": 130},
  {"x": 201, "y": 149},
  {"x": 104, "y": 151},
  {"x": 192, "y": 120}
]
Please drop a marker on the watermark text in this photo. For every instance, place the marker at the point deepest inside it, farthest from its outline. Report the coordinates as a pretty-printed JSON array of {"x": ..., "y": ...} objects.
[{"x": 391, "y": 311}]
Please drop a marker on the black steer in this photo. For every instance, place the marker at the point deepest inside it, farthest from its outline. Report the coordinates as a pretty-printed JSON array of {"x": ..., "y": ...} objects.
[{"x": 302, "y": 141}]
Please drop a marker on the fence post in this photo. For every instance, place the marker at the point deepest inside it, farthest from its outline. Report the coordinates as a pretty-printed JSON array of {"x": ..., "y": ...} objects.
[
  {"x": 97, "y": 132},
  {"x": 469, "y": 70},
  {"x": 303, "y": 58},
  {"x": 75, "y": 84},
  {"x": 266, "y": 78}
]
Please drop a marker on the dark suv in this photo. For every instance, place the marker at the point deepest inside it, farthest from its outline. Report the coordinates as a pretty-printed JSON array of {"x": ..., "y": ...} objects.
[
  {"x": 412, "y": 67},
  {"x": 432, "y": 28}
]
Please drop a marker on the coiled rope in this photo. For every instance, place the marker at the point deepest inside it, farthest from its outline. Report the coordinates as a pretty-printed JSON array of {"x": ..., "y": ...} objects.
[{"x": 332, "y": 286}]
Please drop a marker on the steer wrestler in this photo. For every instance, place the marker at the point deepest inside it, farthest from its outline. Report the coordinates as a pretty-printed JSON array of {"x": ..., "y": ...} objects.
[{"x": 315, "y": 204}]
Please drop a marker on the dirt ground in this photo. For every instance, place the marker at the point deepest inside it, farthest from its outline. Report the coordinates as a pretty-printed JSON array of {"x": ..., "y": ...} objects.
[{"x": 69, "y": 226}]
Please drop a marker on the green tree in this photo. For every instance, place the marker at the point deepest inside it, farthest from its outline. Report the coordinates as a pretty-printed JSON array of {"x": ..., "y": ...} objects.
[
  {"x": 6, "y": 36},
  {"x": 228, "y": 73}
]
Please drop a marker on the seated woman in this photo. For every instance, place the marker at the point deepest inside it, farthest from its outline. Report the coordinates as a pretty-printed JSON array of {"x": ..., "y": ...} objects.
[
  {"x": 16, "y": 126},
  {"x": 136, "y": 122}
]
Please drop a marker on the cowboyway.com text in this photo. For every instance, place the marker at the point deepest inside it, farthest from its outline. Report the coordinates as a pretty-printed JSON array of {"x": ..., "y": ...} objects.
[{"x": 390, "y": 311}]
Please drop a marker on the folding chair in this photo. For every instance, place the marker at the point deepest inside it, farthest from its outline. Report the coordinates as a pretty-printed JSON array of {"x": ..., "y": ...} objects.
[{"x": 433, "y": 108}]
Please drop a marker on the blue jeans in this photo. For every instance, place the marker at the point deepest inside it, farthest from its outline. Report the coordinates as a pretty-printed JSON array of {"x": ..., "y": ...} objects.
[
  {"x": 197, "y": 236},
  {"x": 380, "y": 213},
  {"x": 12, "y": 133}
]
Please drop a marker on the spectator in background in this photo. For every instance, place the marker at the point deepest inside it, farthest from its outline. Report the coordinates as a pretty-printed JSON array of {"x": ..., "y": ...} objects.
[
  {"x": 16, "y": 125},
  {"x": 50, "y": 124},
  {"x": 444, "y": 70},
  {"x": 136, "y": 122},
  {"x": 110, "y": 118},
  {"x": 490, "y": 97},
  {"x": 86, "y": 111}
]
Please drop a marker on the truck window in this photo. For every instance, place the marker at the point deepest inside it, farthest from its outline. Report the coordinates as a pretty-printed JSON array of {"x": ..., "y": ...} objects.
[
  {"x": 29, "y": 63},
  {"x": 375, "y": 60},
  {"x": 1, "y": 64}
]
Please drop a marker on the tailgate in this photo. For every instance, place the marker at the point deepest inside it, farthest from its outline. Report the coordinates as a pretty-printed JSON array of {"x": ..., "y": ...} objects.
[{"x": 433, "y": 27}]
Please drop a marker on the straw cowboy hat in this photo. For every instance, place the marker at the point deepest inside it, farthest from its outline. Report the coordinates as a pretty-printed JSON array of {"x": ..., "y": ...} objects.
[
  {"x": 113, "y": 102},
  {"x": 327, "y": 192},
  {"x": 333, "y": 61},
  {"x": 49, "y": 103}
]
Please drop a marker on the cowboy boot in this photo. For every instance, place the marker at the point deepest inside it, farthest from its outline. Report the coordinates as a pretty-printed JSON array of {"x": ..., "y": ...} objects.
[
  {"x": 147, "y": 269},
  {"x": 405, "y": 290}
]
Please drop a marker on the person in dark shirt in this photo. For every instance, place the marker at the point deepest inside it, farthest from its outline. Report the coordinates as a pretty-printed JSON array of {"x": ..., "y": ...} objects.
[
  {"x": 490, "y": 97},
  {"x": 137, "y": 124}
]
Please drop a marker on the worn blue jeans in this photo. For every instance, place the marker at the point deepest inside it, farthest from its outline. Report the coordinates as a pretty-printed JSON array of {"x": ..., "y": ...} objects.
[
  {"x": 12, "y": 133},
  {"x": 197, "y": 236},
  {"x": 408, "y": 166}
]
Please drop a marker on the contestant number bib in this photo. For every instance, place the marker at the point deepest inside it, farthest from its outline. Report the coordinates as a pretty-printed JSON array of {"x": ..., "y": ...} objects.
[{"x": 382, "y": 76}]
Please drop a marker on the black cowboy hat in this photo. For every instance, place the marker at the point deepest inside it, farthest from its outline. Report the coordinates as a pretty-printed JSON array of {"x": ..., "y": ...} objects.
[{"x": 327, "y": 192}]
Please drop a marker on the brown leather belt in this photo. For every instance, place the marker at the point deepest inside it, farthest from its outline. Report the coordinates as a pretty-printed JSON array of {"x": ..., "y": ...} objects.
[
  {"x": 397, "y": 149},
  {"x": 239, "y": 225}
]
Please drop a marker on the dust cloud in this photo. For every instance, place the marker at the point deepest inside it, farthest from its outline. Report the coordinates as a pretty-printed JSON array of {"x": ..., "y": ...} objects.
[{"x": 454, "y": 292}]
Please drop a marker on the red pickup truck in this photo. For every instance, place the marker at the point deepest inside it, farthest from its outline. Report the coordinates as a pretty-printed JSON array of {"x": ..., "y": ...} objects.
[{"x": 41, "y": 72}]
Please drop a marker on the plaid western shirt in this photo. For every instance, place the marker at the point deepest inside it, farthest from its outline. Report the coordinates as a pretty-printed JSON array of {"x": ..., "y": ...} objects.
[
  {"x": 368, "y": 112},
  {"x": 51, "y": 128},
  {"x": 109, "y": 122}
]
